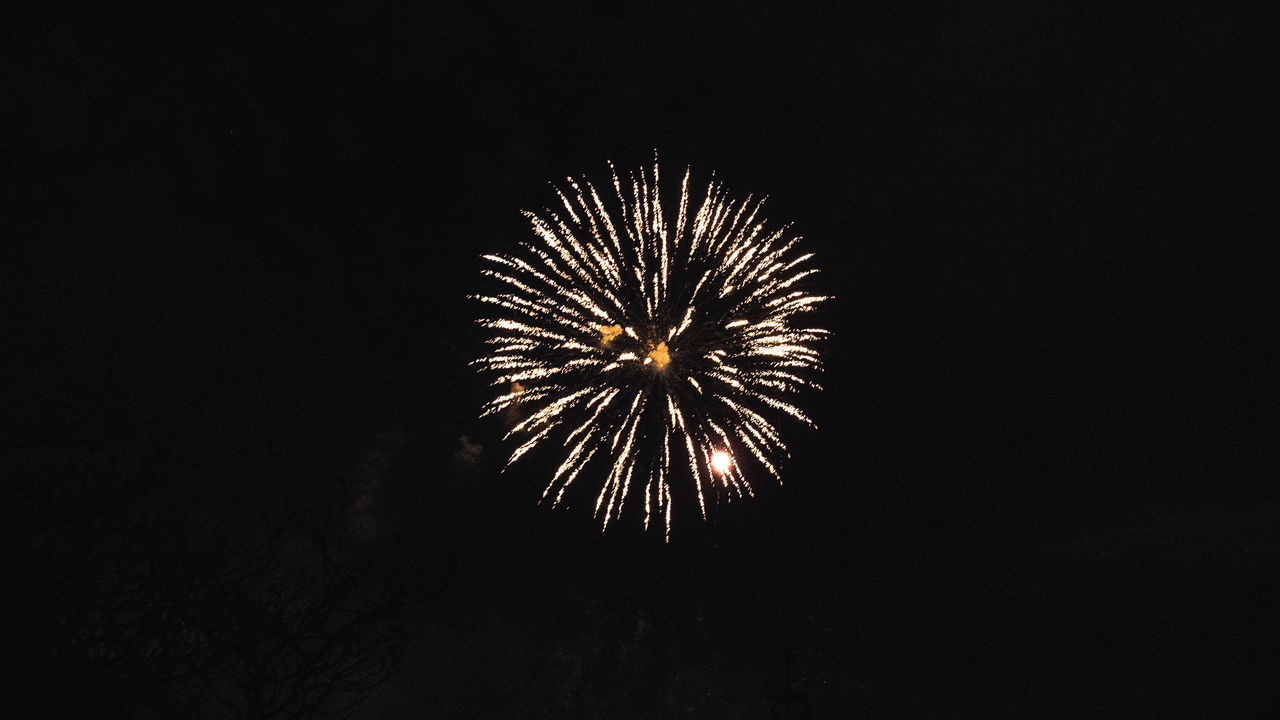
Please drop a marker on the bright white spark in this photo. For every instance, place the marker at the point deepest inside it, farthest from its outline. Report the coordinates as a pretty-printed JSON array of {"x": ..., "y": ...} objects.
[{"x": 720, "y": 462}]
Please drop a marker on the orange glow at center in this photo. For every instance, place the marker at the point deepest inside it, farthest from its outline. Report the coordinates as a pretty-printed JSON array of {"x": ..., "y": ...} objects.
[
  {"x": 609, "y": 332},
  {"x": 660, "y": 356}
]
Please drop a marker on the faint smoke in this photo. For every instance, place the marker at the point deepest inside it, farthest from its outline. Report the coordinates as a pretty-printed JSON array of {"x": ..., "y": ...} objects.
[
  {"x": 468, "y": 453},
  {"x": 369, "y": 478}
]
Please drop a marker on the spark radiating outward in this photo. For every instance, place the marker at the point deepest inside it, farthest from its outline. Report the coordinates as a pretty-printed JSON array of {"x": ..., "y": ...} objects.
[{"x": 652, "y": 349}]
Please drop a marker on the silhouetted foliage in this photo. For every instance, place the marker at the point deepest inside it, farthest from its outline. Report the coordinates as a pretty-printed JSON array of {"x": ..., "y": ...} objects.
[{"x": 144, "y": 595}]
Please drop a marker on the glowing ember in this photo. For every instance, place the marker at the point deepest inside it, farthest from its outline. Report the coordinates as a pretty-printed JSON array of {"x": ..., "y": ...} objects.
[{"x": 609, "y": 332}]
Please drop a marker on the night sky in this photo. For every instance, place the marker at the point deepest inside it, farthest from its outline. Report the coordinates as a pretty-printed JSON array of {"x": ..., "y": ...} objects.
[{"x": 240, "y": 438}]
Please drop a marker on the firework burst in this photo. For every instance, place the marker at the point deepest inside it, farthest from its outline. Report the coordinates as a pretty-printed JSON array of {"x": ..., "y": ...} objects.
[{"x": 653, "y": 346}]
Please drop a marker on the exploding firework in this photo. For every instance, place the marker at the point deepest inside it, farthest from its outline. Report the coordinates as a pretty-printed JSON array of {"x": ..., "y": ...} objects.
[{"x": 652, "y": 349}]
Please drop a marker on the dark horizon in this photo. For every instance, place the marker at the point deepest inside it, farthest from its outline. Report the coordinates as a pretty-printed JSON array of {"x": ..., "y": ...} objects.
[{"x": 245, "y": 242}]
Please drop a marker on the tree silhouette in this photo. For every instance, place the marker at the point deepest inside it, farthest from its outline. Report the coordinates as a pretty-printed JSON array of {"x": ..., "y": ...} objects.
[{"x": 135, "y": 592}]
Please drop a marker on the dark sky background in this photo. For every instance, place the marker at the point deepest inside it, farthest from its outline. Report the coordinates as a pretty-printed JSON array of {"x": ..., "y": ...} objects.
[{"x": 244, "y": 239}]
